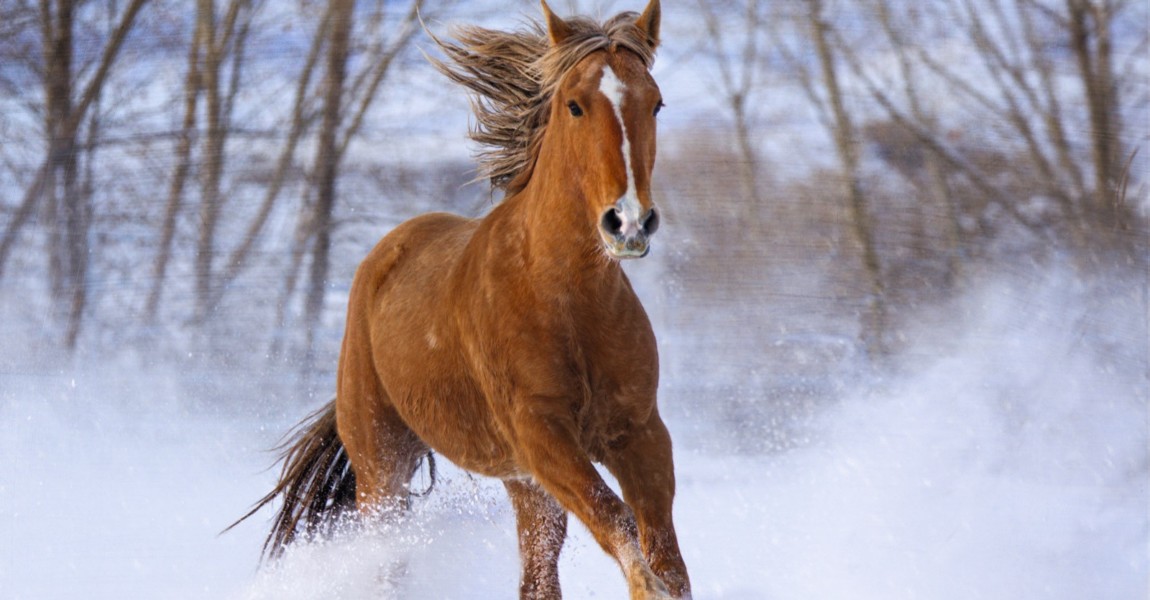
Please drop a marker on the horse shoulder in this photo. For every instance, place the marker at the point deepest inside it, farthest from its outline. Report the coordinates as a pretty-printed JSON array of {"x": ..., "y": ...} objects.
[
  {"x": 399, "y": 291},
  {"x": 407, "y": 243}
]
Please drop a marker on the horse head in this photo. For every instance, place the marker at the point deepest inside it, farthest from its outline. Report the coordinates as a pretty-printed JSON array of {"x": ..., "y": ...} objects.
[{"x": 602, "y": 125}]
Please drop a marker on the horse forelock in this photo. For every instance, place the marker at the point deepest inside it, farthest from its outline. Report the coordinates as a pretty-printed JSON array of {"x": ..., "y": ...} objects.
[{"x": 513, "y": 75}]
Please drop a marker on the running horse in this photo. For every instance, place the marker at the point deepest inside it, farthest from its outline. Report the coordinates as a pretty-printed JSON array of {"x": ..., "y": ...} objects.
[{"x": 514, "y": 345}]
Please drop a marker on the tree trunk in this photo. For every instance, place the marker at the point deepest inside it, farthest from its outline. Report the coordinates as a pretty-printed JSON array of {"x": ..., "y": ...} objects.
[
  {"x": 213, "y": 157},
  {"x": 66, "y": 208},
  {"x": 1090, "y": 40},
  {"x": 327, "y": 166},
  {"x": 749, "y": 169},
  {"x": 192, "y": 87},
  {"x": 57, "y": 23},
  {"x": 875, "y": 321}
]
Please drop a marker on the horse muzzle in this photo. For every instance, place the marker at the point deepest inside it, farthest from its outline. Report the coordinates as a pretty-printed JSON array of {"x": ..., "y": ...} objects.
[{"x": 627, "y": 237}]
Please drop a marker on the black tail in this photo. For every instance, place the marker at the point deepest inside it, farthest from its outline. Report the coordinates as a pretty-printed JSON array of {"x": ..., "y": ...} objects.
[{"x": 317, "y": 484}]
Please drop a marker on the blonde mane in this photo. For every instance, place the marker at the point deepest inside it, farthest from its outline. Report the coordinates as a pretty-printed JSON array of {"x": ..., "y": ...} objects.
[{"x": 512, "y": 76}]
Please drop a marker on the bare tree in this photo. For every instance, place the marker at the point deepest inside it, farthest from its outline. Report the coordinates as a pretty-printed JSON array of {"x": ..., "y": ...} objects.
[
  {"x": 735, "y": 43},
  {"x": 300, "y": 121},
  {"x": 934, "y": 183},
  {"x": 1090, "y": 25},
  {"x": 327, "y": 159},
  {"x": 218, "y": 40},
  {"x": 1013, "y": 84},
  {"x": 56, "y": 183},
  {"x": 825, "y": 89},
  {"x": 177, "y": 184},
  {"x": 345, "y": 106}
]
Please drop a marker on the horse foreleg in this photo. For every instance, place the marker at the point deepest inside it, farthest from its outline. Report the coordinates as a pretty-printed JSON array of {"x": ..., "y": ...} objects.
[
  {"x": 542, "y": 526},
  {"x": 643, "y": 465},
  {"x": 550, "y": 450}
]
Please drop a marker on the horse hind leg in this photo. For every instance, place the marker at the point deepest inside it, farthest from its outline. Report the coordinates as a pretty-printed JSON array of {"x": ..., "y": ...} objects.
[
  {"x": 542, "y": 526},
  {"x": 385, "y": 454}
]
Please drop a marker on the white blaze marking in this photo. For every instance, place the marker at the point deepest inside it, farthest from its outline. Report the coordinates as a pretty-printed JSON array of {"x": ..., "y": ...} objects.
[{"x": 628, "y": 205}]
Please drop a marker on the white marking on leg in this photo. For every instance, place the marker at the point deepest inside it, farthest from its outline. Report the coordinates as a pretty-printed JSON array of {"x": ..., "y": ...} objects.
[{"x": 629, "y": 206}]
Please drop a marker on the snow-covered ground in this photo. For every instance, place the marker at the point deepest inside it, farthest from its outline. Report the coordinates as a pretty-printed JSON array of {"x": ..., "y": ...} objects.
[{"x": 1010, "y": 461}]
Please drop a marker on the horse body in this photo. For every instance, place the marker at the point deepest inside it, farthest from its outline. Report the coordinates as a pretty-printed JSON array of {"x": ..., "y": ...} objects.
[
  {"x": 460, "y": 325},
  {"x": 514, "y": 345}
]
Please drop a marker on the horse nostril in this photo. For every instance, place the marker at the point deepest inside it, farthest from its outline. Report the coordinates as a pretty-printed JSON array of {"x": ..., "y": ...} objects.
[
  {"x": 612, "y": 224},
  {"x": 651, "y": 223}
]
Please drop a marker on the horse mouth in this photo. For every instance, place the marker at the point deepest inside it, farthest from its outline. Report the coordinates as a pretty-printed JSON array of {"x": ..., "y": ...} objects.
[{"x": 621, "y": 248}]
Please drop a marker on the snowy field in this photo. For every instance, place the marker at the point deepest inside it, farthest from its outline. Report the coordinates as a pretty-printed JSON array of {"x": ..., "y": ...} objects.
[{"x": 1008, "y": 461}]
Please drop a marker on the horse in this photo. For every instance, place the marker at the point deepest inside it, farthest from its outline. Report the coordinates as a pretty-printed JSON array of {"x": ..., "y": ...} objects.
[{"x": 513, "y": 344}]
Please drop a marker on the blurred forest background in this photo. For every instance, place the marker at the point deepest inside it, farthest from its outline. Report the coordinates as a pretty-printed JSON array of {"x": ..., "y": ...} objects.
[{"x": 194, "y": 182}]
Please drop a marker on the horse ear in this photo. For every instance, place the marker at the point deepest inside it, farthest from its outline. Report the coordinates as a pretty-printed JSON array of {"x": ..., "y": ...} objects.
[
  {"x": 557, "y": 28},
  {"x": 648, "y": 23}
]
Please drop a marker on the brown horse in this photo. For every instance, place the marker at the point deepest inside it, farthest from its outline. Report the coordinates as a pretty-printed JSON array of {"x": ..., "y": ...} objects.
[{"x": 514, "y": 344}]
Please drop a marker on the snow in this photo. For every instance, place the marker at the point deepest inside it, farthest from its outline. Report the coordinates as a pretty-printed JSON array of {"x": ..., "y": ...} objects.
[{"x": 1008, "y": 460}]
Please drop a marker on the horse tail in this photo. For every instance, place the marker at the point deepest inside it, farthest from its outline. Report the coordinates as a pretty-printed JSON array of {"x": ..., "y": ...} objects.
[{"x": 317, "y": 484}]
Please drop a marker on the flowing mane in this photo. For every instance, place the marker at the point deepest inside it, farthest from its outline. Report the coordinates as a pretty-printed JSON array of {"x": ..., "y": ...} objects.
[{"x": 512, "y": 76}]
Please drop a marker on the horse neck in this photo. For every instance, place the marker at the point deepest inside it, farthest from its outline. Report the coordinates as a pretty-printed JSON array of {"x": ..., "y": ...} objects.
[{"x": 563, "y": 249}]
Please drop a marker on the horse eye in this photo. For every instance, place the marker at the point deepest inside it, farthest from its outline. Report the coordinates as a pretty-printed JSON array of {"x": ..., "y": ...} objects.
[
  {"x": 659, "y": 107},
  {"x": 576, "y": 111}
]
